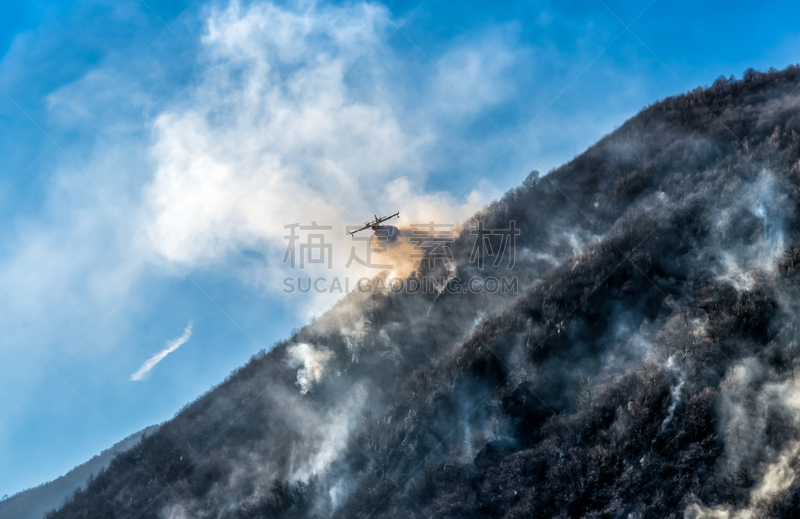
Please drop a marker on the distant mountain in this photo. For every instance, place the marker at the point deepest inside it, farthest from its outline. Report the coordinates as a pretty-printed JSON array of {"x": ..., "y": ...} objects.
[
  {"x": 645, "y": 367},
  {"x": 34, "y": 503}
]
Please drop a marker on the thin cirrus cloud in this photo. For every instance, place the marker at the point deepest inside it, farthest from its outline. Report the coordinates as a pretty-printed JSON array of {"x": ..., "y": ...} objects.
[{"x": 158, "y": 357}]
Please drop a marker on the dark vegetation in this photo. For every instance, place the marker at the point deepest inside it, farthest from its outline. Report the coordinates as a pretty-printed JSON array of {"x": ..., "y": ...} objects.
[{"x": 645, "y": 369}]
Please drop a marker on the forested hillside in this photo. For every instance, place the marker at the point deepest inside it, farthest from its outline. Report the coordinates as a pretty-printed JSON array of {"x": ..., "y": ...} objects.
[{"x": 645, "y": 368}]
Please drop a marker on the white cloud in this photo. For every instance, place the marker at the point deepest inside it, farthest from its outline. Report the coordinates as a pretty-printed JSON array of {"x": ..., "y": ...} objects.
[
  {"x": 478, "y": 75},
  {"x": 158, "y": 357}
]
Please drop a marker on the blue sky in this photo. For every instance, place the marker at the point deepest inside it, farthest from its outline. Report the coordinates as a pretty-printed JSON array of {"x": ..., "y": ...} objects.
[{"x": 196, "y": 131}]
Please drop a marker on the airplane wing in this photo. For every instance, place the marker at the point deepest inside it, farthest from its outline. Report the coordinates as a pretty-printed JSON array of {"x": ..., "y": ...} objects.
[
  {"x": 389, "y": 217},
  {"x": 359, "y": 230}
]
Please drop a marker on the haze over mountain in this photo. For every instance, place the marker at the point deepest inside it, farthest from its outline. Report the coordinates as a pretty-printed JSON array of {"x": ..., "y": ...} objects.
[{"x": 645, "y": 368}]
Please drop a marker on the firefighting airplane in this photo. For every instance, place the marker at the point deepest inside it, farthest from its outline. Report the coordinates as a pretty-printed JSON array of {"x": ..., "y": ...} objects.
[{"x": 376, "y": 222}]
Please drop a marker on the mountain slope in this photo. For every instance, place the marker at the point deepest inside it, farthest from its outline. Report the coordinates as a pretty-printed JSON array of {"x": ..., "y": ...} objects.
[
  {"x": 35, "y": 502},
  {"x": 644, "y": 369}
]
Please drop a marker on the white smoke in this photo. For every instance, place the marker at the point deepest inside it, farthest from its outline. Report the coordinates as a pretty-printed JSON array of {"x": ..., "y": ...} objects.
[
  {"x": 744, "y": 438},
  {"x": 675, "y": 392},
  {"x": 311, "y": 362},
  {"x": 769, "y": 205},
  {"x": 277, "y": 115}
]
